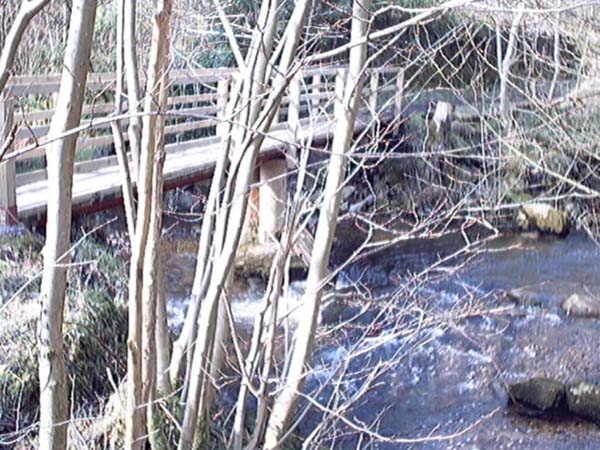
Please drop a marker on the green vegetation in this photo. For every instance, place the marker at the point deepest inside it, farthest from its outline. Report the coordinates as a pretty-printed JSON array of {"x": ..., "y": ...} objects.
[{"x": 95, "y": 326}]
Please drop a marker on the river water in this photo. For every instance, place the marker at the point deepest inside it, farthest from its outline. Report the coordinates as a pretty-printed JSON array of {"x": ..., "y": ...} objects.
[{"x": 425, "y": 363}]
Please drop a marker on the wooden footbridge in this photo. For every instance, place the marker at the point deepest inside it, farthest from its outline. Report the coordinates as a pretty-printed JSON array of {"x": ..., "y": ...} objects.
[{"x": 197, "y": 99}]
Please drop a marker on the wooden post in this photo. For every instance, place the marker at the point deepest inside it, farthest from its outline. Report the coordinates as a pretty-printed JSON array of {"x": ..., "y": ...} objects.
[
  {"x": 222, "y": 99},
  {"x": 439, "y": 127},
  {"x": 294, "y": 107},
  {"x": 374, "y": 87},
  {"x": 8, "y": 177},
  {"x": 399, "y": 93},
  {"x": 294, "y": 119},
  {"x": 316, "y": 90}
]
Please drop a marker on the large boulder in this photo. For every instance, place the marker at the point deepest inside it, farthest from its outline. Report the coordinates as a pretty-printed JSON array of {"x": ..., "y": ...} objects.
[
  {"x": 583, "y": 399},
  {"x": 582, "y": 305},
  {"x": 543, "y": 218},
  {"x": 543, "y": 394}
]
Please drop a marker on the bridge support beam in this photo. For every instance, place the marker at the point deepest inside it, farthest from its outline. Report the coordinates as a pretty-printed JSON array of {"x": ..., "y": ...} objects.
[
  {"x": 272, "y": 199},
  {"x": 8, "y": 177}
]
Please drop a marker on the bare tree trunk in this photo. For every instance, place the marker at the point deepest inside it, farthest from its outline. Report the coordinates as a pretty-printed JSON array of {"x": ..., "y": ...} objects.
[
  {"x": 203, "y": 263},
  {"x": 274, "y": 294},
  {"x": 151, "y": 281},
  {"x": 250, "y": 126},
  {"x": 506, "y": 65},
  {"x": 221, "y": 339},
  {"x": 54, "y": 410},
  {"x": 127, "y": 185},
  {"x": 28, "y": 10},
  {"x": 67, "y": 8},
  {"x": 140, "y": 365},
  {"x": 348, "y": 94},
  {"x": 163, "y": 340},
  {"x": 556, "y": 58},
  {"x": 251, "y": 86},
  {"x": 133, "y": 85}
]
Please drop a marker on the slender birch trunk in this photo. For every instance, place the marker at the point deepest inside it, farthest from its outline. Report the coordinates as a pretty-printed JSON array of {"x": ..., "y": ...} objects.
[
  {"x": 251, "y": 86},
  {"x": 119, "y": 141},
  {"x": 54, "y": 409},
  {"x": 248, "y": 132},
  {"x": 181, "y": 347},
  {"x": 272, "y": 295},
  {"x": 507, "y": 62},
  {"x": 220, "y": 341},
  {"x": 348, "y": 94},
  {"x": 163, "y": 340},
  {"x": 556, "y": 58},
  {"x": 133, "y": 84},
  {"x": 151, "y": 283},
  {"x": 246, "y": 138},
  {"x": 29, "y": 9},
  {"x": 141, "y": 366}
]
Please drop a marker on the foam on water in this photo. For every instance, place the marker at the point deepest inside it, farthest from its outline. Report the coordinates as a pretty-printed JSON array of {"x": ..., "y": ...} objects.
[{"x": 244, "y": 305}]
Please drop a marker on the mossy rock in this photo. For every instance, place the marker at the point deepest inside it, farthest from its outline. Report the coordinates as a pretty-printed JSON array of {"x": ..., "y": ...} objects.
[
  {"x": 255, "y": 260},
  {"x": 582, "y": 305},
  {"x": 543, "y": 218},
  {"x": 521, "y": 298},
  {"x": 583, "y": 399},
  {"x": 542, "y": 394}
]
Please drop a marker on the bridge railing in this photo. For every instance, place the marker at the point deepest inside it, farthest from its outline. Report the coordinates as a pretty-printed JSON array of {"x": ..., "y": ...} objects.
[{"x": 197, "y": 98}]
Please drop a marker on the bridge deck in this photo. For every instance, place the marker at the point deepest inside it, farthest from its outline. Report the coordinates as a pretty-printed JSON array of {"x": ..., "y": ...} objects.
[{"x": 185, "y": 162}]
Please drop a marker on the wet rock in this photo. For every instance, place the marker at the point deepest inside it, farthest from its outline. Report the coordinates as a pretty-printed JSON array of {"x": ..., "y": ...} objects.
[
  {"x": 543, "y": 218},
  {"x": 254, "y": 260},
  {"x": 331, "y": 312},
  {"x": 347, "y": 192},
  {"x": 583, "y": 399},
  {"x": 543, "y": 394},
  {"x": 521, "y": 297},
  {"x": 582, "y": 305},
  {"x": 357, "y": 207},
  {"x": 551, "y": 396}
]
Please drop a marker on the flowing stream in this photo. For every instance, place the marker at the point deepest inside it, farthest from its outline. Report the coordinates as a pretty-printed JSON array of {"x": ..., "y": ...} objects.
[{"x": 440, "y": 354}]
